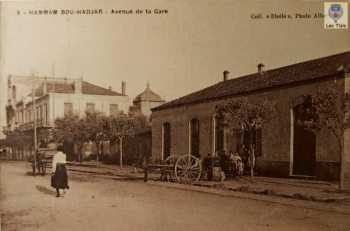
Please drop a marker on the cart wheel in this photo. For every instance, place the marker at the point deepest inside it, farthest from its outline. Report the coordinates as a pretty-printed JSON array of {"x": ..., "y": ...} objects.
[
  {"x": 171, "y": 160},
  {"x": 188, "y": 169}
]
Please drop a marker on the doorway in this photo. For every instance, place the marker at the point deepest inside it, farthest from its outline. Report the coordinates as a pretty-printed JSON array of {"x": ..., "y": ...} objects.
[{"x": 304, "y": 147}]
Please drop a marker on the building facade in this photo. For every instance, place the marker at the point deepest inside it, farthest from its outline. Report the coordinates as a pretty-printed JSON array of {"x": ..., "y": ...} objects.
[
  {"x": 144, "y": 102},
  {"x": 191, "y": 124},
  {"x": 55, "y": 98}
]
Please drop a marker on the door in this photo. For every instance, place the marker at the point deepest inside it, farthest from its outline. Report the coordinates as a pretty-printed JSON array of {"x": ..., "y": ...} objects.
[{"x": 304, "y": 150}]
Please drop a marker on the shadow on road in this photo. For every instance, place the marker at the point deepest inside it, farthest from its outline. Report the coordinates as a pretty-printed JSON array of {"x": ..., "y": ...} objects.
[
  {"x": 45, "y": 190},
  {"x": 30, "y": 173}
]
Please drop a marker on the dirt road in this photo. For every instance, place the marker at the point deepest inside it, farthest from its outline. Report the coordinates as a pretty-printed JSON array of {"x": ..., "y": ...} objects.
[{"x": 92, "y": 203}]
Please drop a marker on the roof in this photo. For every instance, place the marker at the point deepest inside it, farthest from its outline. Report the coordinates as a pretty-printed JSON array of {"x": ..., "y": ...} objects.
[
  {"x": 56, "y": 87},
  {"x": 87, "y": 89},
  {"x": 299, "y": 72},
  {"x": 148, "y": 95},
  {"x": 91, "y": 89}
]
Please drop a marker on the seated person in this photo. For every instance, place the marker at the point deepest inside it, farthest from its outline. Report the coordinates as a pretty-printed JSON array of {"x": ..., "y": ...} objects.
[{"x": 238, "y": 164}]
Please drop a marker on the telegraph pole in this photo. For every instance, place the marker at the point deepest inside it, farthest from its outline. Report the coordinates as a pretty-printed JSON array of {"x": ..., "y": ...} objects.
[
  {"x": 34, "y": 127},
  {"x": 35, "y": 80}
]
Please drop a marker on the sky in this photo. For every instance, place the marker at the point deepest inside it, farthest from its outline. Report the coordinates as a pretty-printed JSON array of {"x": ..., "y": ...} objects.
[{"x": 182, "y": 51}]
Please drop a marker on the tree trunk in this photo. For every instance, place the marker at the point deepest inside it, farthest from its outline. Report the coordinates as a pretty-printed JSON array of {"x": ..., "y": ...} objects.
[
  {"x": 121, "y": 152},
  {"x": 80, "y": 150},
  {"x": 342, "y": 163},
  {"x": 341, "y": 159},
  {"x": 341, "y": 172},
  {"x": 97, "y": 154},
  {"x": 252, "y": 160}
]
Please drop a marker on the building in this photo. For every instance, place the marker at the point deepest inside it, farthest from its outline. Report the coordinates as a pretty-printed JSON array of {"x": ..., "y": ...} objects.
[
  {"x": 190, "y": 124},
  {"x": 57, "y": 97},
  {"x": 140, "y": 145},
  {"x": 143, "y": 103}
]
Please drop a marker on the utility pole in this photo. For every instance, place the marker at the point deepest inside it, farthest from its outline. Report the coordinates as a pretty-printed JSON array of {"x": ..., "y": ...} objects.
[
  {"x": 34, "y": 127},
  {"x": 36, "y": 80}
]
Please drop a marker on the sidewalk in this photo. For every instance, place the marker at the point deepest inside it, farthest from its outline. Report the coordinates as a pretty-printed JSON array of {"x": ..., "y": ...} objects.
[{"x": 310, "y": 190}]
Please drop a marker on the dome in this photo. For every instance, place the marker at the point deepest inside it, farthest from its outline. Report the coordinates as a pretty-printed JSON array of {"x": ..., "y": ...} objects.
[{"x": 148, "y": 95}]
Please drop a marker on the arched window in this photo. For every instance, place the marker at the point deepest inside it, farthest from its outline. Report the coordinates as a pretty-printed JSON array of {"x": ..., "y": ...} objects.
[
  {"x": 194, "y": 137},
  {"x": 166, "y": 140},
  {"x": 219, "y": 132}
]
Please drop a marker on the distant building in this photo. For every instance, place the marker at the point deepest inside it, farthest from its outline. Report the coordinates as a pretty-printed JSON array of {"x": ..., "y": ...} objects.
[
  {"x": 191, "y": 124},
  {"x": 57, "y": 97},
  {"x": 144, "y": 102}
]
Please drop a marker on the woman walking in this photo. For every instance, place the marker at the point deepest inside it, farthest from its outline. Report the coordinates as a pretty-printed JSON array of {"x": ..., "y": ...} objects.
[{"x": 59, "y": 178}]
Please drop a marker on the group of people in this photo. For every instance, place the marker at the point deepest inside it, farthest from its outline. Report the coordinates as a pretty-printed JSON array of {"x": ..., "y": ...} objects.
[{"x": 231, "y": 163}]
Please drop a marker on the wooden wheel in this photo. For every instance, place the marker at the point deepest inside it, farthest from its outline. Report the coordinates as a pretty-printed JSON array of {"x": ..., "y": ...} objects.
[
  {"x": 171, "y": 160},
  {"x": 188, "y": 169}
]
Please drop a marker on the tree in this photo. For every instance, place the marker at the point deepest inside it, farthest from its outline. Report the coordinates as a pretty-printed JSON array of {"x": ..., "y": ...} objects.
[
  {"x": 328, "y": 109},
  {"x": 71, "y": 128},
  {"x": 97, "y": 128},
  {"x": 17, "y": 139},
  {"x": 96, "y": 125},
  {"x": 123, "y": 126},
  {"x": 240, "y": 114}
]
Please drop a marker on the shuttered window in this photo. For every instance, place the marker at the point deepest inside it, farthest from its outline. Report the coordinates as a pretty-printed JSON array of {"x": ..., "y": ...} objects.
[
  {"x": 194, "y": 137},
  {"x": 68, "y": 109},
  {"x": 113, "y": 109},
  {"x": 166, "y": 140}
]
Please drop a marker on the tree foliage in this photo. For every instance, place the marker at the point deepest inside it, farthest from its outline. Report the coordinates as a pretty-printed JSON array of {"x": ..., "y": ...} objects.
[
  {"x": 241, "y": 114},
  {"x": 97, "y": 128},
  {"x": 18, "y": 137},
  {"x": 328, "y": 109},
  {"x": 71, "y": 128}
]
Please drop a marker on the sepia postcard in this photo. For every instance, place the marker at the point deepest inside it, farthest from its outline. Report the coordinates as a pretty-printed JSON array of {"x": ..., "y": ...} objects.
[{"x": 168, "y": 115}]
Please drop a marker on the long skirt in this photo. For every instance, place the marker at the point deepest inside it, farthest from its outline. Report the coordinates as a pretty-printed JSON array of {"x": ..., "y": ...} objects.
[{"x": 60, "y": 178}]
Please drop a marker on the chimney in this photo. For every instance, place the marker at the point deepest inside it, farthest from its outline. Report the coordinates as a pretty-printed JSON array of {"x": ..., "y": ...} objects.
[
  {"x": 110, "y": 88},
  {"x": 226, "y": 75},
  {"x": 9, "y": 89},
  {"x": 123, "y": 87},
  {"x": 14, "y": 93},
  {"x": 261, "y": 68},
  {"x": 45, "y": 86}
]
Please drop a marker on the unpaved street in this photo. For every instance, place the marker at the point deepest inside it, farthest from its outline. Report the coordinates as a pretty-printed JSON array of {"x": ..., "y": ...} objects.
[{"x": 29, "y": 203}]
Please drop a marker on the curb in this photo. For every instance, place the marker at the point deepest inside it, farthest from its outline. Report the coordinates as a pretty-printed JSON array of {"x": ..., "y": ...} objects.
[
  {"x": 298, "y": 196},
  {"x": 125, "y": 177},
  {"x": 328, "y": 207},
  {"x": 241, "y": 189},
  {"x": 220, "y": 189}
]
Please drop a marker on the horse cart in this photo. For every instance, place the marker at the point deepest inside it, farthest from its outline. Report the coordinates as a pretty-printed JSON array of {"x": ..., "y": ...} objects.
[
  {"x": 177, "y": 168},
  {"x": 42, "y": 161}
]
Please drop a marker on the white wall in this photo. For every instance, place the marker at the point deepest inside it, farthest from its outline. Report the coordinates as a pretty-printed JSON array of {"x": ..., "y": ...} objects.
[
  {"x": 55, "y": 103},
  {"x": 79, "y": 101}
]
